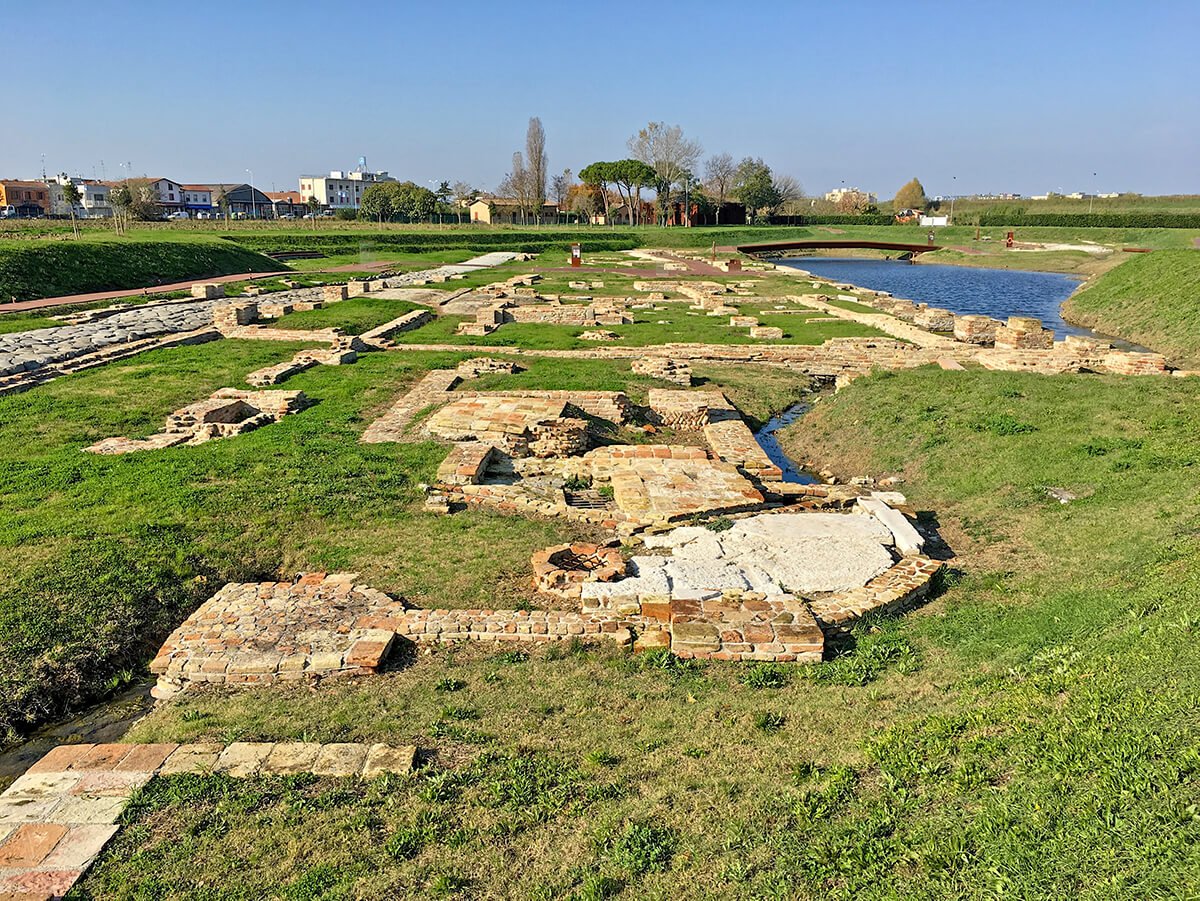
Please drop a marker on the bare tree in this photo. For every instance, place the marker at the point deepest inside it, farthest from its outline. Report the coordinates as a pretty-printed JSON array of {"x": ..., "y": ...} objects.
[
  {"x": 787, "y": 191},
  {"x": 672, "y": 156},
  {"x": 560, "y": 187},
  {"x": 718, "y": 175},
  {"x": 516, "y": 184},
  {"x": 464, "y": 195},
  {"x": 536, "y": 160}
]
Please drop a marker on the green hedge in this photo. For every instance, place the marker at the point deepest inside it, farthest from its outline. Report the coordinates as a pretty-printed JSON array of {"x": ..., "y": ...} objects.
[
  {"x": 1018, "y": 216},
  {"x": 417, "y": 241},
  {"x": 50, "y": 269},
  {"x": 835, "y": 219}
]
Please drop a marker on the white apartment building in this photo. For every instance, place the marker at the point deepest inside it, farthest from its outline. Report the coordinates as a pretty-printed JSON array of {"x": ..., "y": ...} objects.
[
  {"x": 169, "y": 193},
  {"x": 838, "y": 193},
  {"x": 340, "y": 190},
  {"x": 93, "y": 197}
]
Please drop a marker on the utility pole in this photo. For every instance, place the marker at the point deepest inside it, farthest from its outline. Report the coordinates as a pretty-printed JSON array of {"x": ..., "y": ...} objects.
[{"x": 253, "y": 205}]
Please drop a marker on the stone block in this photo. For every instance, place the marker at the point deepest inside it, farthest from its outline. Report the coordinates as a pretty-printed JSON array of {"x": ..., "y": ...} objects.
[
  {"x": 60, "y": 759},
  {"x": 340, "y": 759},
  {"x": 334, "y": 293},
  {"x": 193, "y": 758},
  {"x": 30, "y": 844},
  {"x": 288, "y": 758},
  {"x": 102, "y": 757},
  {"x": 243, "y": 758},
  {"x": 17, "y": 810},
  {"x": 766, "y": 331},
  {"x": 208, "y": 290},
  {"x": 79, "y": 847},
  {"x": 96, "y": 811},
  {"x": 383, "y": 758},
  {"x": 42, "y": 785},
  {"x": 145, "y": 758}
]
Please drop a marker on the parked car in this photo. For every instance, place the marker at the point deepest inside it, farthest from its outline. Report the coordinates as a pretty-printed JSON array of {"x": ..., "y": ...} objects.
[
  {"x": 8, "y": 212},
  {"x": 178, "y": 214}
]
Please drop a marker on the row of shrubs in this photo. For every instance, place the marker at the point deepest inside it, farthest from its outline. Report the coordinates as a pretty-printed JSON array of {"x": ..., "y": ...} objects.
[
  {"x": 1015, "y": 217},
  {"x": 424, "y": 242},
  {"x": 48, "y": 269}
]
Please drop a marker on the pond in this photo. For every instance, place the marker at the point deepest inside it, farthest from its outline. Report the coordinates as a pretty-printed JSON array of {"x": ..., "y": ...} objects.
[{"x": 999, "y": 293}]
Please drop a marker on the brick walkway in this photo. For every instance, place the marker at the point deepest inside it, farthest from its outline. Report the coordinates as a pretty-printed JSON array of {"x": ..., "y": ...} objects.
[{"x": 58, "y": 816}]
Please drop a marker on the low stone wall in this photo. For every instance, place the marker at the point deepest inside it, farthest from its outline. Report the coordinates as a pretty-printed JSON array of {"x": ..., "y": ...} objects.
[
  {"x": 732, "y": 441},
  {"x": 895, "y": 590},
  {"x": 677, "y": 371},
  {"x": 1023, "y": 333},
  {"x": 976, "y": 329},
  {"x": 466, "y": 463},
  {"x": 613, "y": 406},
  {"x": 378, "y": 337}
]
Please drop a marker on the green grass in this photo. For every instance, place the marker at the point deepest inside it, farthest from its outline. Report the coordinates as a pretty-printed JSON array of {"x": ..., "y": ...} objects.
[
  {"x": 354, "y": 316},
  {"x": 24, "y": 322},
  {"x": 104, "y": 555},
  {"x": 675, "y": 323},
  {"x": 1032, "y": 733},
  {"x": 1151, "y": 299},
  {"x": 32, "y": 269}
]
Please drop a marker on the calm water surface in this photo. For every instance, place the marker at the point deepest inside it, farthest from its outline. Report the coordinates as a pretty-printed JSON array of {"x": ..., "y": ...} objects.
[{"x": 999, "y": 293}]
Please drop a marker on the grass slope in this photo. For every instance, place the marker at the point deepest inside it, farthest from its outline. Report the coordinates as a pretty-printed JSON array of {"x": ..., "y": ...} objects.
[
  {"x": 1152, "y": 299},
  {"x": 1032, "y": 733},
  {"x": 29, "y": 270}
]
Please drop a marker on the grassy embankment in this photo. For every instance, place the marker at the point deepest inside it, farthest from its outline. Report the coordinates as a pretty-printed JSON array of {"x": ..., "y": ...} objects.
[
  {"x": 1152, "y": 299},
  {"x": 1032, "y": 733},
  {"x": 34, "y": 269}
]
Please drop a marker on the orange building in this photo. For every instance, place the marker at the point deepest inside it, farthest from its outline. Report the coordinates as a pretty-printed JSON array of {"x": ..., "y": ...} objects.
[{"x": 28, "y": 198}]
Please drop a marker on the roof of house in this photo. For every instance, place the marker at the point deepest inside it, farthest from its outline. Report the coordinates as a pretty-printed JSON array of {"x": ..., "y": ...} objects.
[
  {"x": 19, "y": 183},
  {"x": 504, "y": 201},
  {"x": 196, "y": 187}
]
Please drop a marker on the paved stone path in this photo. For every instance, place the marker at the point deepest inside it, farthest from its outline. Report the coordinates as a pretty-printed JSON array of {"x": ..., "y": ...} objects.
[
  {"x": 25, "y": 351},
  {"x": 58, "y": 816}
]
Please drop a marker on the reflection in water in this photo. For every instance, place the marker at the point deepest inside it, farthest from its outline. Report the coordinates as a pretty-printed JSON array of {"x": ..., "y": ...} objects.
[{"x": 999, "y": 293}]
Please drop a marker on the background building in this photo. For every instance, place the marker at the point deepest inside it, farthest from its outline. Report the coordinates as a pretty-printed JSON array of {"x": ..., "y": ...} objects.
[
  {"x": 838, "y": 194},
  {"x": 93, "y": 197},
  {"x": 340, "y": 190},
  {"x": 198, "y": 200},
  {"x": 488, "y": 210},
  {"x": 243, "y": 201},
  {"x": 28, "y": 198}
]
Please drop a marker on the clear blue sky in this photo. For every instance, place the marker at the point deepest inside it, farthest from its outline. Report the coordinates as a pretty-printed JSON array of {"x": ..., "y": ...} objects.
[{"x": 970, "y": 97}]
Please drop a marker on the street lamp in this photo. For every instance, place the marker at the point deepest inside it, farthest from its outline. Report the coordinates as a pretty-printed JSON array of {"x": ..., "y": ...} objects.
[
  {"x": 1092, "y": 197},
  {"x": 253, "y": 205},
  {"x": 953, "y": 178}
]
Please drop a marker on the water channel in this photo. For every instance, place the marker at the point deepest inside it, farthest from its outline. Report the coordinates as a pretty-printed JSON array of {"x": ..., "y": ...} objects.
[{"x": 999, "y": 293}]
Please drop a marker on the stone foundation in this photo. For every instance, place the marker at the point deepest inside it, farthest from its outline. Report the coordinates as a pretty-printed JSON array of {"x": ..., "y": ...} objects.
[
  {"x": 262, "y": 633},
  {"x": 228, "y": 412},
  {"x": 677, "y": 371}
]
